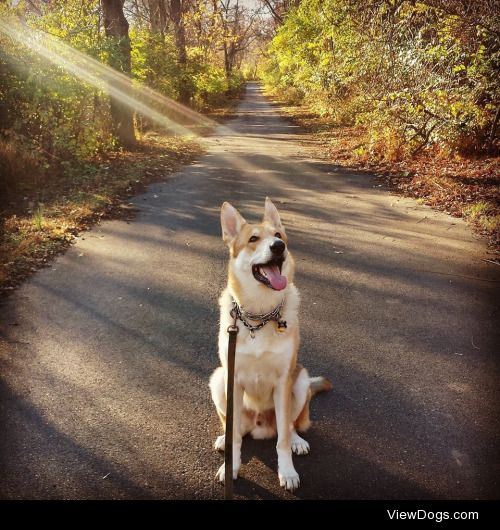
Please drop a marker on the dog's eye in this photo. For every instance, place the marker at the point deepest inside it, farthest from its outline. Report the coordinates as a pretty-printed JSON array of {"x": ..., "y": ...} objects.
[
  {"x": 278, "y": 235},
  {"x": 253, "y": 239}
]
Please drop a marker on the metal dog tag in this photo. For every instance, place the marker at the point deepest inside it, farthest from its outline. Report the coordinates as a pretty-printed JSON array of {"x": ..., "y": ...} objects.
[{"x": 281, "y": 325}]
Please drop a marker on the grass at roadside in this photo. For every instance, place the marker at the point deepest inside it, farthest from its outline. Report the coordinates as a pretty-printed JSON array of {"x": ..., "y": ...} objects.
[
  {"x": 42, "y": 219},
  {"x": 462, "y": 187}
]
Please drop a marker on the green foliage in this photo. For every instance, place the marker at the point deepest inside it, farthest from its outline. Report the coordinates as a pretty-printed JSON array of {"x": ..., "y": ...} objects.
[
  {"x": 154, "y": 61},
  {"x": 476, "y": 210},
  {"x": 38, "y": 219},
  {"x": 212, "y": 86},
  {"x": 45, "y": 111},
  {"x": 414, "y": 74}
]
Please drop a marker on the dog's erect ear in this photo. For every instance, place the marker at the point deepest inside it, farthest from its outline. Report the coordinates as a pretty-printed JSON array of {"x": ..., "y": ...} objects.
[
  {"x": 271, "y": 214},
  {"x": 231, "y": 221}
]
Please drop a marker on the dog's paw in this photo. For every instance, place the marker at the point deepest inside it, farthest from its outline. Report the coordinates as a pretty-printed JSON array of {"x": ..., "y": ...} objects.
[
  {"x": 221, "y": 473},
  {"x": 220, "y": 443},
  {"x": 289, "y": 479},
  {"x": 299, "y": 445}
]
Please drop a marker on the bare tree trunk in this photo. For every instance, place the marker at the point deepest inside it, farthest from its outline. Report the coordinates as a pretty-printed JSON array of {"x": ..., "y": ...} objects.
[
  {"x": 493, "y": 131},
  {"x": 227, "y": 64},
  {"x": 229, "y": 58},
  {"x": 116, "y": 28},
  {"x": 224, "y": 18},
  {"x": 157, "y": 16},
  {"x": 180, "y": 42}
]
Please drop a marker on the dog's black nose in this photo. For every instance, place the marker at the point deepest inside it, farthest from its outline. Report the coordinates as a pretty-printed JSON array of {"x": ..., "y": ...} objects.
[{"x": 278, "y": 246}]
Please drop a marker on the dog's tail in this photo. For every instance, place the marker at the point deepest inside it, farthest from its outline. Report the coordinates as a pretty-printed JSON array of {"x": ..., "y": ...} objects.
[{"x": 319, "y": 384}]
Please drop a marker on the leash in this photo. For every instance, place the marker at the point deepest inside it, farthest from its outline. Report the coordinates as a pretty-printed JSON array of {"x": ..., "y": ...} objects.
[{"x": 228, "y": 440}]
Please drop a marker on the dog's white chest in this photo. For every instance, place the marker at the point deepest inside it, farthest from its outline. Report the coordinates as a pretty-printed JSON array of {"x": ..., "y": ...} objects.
[
  {"x": 266, "y": 341},
  {"x": 258, "y": 371},
  {"x": 260, "y": 362}
]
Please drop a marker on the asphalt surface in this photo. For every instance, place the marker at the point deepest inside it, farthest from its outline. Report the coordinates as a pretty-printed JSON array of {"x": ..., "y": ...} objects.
[{"x": 106, "y": 354}]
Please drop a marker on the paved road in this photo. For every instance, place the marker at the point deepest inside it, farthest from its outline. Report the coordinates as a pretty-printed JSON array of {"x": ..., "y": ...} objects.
[{"x": 106, "y": 354}]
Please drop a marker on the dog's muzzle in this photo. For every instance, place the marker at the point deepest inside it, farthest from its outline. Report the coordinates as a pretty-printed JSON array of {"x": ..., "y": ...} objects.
[{"x": 270, "y": 273}]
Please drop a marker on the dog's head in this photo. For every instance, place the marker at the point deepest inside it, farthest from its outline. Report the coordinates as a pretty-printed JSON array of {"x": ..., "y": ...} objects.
[{"x": 259, "y": 252}]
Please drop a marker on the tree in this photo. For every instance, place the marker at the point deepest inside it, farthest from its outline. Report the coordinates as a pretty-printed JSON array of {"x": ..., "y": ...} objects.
[
  {"x": 279, "y": 8},
  {"x": 176, "y": 12},
  {"x": 116, "y": 30},
  {"x": 157, "y": 16},
  {"x": 239, "y": 29}
]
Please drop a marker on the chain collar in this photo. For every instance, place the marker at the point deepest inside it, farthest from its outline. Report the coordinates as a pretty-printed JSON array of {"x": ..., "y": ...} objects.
[{"x": 240, "y": 314}]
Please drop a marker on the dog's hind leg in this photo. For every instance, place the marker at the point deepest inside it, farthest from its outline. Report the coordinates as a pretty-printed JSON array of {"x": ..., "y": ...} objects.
[{"x": 304, "y": 389}]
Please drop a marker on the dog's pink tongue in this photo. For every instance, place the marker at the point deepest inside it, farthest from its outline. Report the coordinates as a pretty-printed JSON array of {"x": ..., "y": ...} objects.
[{"x": 277, "y": 281}]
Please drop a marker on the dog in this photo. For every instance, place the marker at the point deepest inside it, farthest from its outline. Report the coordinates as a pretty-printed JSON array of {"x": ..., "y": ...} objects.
[{"x": 271, "y": 390}]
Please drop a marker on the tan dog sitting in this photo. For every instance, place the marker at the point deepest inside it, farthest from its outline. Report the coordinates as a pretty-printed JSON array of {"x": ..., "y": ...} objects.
[{"x": 271, "y": 391}]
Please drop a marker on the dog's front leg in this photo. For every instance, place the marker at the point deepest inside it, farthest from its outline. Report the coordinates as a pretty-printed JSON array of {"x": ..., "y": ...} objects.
[
  {"x": 289, "y": 478},
  {"x": 237, "y": 437}
]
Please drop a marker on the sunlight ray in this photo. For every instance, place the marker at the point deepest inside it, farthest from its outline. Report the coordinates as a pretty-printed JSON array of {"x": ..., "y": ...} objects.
[{"x": 162, "y": 110}]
